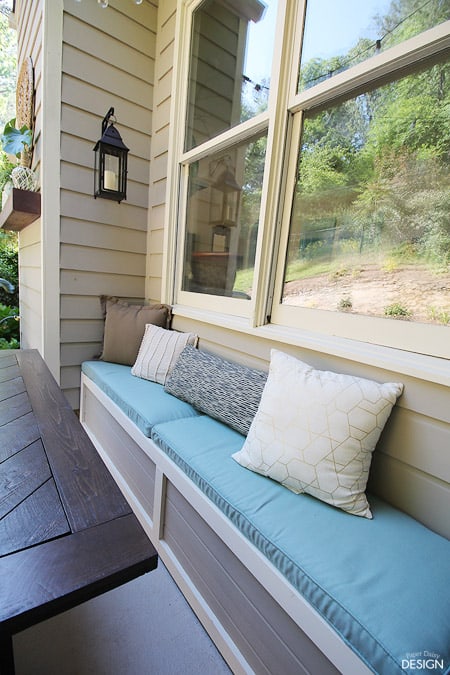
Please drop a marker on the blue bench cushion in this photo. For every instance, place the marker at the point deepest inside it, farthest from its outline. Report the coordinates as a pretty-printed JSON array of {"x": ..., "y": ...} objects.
[
  {"x": 383, "y": 584},
  {"x": 146, "y": 403}
]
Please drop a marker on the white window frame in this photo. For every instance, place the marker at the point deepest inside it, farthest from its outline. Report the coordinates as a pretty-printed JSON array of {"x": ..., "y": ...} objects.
[
  {"x": 374, "y": 340},
  {"x": 396, "y": 61},
  {"x": 186, "y": 301}
]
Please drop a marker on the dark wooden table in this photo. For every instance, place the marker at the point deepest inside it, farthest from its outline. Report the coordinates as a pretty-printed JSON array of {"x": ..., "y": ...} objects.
[{"x": 66, "y": 532}]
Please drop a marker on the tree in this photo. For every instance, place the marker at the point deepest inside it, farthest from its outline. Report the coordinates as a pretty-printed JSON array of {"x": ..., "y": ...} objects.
[{"x": 8, "y": 66}]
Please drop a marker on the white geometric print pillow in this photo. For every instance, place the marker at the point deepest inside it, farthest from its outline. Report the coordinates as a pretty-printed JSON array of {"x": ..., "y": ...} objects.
[{"x": 315, "y": 431}]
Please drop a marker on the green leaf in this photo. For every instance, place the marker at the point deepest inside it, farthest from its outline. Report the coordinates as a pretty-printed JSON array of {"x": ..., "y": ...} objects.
[{"x": 14, "y": 141}]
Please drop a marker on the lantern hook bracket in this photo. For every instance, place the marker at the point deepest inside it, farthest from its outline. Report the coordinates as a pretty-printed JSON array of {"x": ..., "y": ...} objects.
[{"x": 109, "y": 118}]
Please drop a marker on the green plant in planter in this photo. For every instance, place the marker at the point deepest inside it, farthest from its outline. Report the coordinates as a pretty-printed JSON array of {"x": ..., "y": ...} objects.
[
  {"x": 6, "y": 167},
  {"x": 19, "y": 142}
]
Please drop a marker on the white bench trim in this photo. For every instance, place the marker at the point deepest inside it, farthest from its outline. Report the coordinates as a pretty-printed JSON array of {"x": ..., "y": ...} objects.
[{"x": 305, "y": 616}]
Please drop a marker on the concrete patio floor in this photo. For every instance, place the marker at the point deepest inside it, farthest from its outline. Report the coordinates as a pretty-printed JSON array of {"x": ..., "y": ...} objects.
[{"x": 145, "y": 627}]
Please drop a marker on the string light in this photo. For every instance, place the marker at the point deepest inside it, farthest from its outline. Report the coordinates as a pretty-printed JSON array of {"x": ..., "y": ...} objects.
[
  {"x": 104, "y": 3},
  {"x": 373, "y": 47}
]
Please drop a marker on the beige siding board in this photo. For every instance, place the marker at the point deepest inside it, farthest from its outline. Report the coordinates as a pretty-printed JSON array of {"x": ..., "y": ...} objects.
[
  {"x": 157, "y": 241},
  {"x": 157, "y": 220},
  {"x": 81, "y": 155},
  {"x": 30, "y": 281},
  {"x": 70, "y": 378},
  {"x": 165, "y": 61},
  {"x": 30, "y": 255},
  {"x": 154, "y": 289},
  {"x": 103, "y": 211},
  {"x": 426, "y": 499},
  {"x": 160, "y": 140},
  {"x": 407, "y": 435},
  {"x": 159, "y": 168},
  {"x": 166, "y": 28},
  {"x": 72, "y": 396},
  {"x": 412, "y": 459},
  {"x": 164, "y": 89},
  {"x": 158, "y": 194},
  {"x": 80, "y": 307},
  {"x": 97, "y": 235},
  {"x": 101, "y": 260},
  {"x": 81, "y": 331},
  {"x": 30, "y": 235},
  {"x": 81, "y": 180},
  {"x": 32, "y": 302},
  {"x": 84, "y": 128},
  {"x": 161, "y": 114},
  {"x": 93, "y": 283},
  {"x": 130, "y": 29},
  {"x": 156, "y": 260},
  {"x": 108, "y": 60},
  {"x": 83, "y": 37},
  {"x": 86, "y": 125},
  {"x": 74, "y": 354},
  {"x": 110, "y": 77},
  {"x": 76, "y": 93}
]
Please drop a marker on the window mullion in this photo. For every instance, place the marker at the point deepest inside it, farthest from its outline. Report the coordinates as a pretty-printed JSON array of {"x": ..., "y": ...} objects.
[{"x": 286, "y": 52}]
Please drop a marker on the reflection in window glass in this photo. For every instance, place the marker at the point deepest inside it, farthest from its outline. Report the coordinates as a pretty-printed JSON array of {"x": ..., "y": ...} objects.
[
  {"x": 356, "y": 30},
  {"x": 230, "y": 63},
  {"x": 370, "y": 228},
  {"x": 224, "y": 196}
]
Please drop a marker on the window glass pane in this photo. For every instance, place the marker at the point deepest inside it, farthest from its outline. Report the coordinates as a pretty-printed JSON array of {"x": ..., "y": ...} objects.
[
  {"x": 370, "y": 226},
  {"x": 230, "y": 63},
  {"x": 224, "y": 196},
  {"x": 355, "y": 30}
]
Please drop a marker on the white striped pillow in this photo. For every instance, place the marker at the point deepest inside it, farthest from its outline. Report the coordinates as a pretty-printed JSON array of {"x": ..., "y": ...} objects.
[{"x": 159, "y": 351}]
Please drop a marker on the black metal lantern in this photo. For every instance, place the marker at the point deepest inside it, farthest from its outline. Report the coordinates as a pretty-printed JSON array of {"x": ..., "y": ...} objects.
[{"x": 110, "y": 174}]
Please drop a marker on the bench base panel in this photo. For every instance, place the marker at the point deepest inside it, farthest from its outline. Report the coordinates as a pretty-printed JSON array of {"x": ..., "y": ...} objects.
[{"x": 218, "y": 571}]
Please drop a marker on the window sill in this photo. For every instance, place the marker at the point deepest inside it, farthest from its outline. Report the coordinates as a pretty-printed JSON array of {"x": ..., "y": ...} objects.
[{"x": 428, "y": 368}]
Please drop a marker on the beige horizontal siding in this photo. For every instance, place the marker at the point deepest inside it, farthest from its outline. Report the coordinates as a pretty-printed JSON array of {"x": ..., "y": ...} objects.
[{"x": 411, "y": 464}]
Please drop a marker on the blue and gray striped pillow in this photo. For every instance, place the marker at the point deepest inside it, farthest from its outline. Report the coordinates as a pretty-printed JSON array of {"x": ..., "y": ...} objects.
[{"x": 227, "y": 391}]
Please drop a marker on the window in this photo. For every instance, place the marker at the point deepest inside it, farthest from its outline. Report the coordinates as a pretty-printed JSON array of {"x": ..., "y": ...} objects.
[
  {"x": 313, "y": 167},
  {"x": 229, "y": 73},
  {"x": 224, "y": 197},
  {"x": 222, "y": 165},
  {"x": 369, "y": 228},
  {"x": 355, "y": 31}
]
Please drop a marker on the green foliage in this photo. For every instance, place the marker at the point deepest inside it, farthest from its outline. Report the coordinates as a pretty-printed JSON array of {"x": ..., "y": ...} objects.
[
  {"x": 396, "y": 310},
  {"x": 9, "y": 326},
  {"x": 16, "y": 141},
  {"x": 345, "y": 303},
  {"x": 8, "y": 65},
  {"x": 374, "y": 170},
  {"x": 6, "y": 166},
  {"x": 439, "y": 315},
  {"x": 9, "y": 267}
]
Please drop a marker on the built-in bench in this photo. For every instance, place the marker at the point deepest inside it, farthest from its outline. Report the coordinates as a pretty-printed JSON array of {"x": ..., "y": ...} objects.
[{"x": 284, "y": 583}]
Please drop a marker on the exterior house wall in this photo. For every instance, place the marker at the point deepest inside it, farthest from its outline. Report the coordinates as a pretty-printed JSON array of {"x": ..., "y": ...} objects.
[
  {"x": 83, "y": 247},
  {"x": 412, "y": 455},
  {"x": 162, "y": 113},
  {"x": 107, "y": 61},
  {"x": 28, "y": 18},
  {"x": 127, "y": 60}
]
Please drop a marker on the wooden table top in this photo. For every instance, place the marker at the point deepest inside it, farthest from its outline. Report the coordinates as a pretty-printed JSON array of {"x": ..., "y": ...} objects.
[{"x": 66, "y": 532}]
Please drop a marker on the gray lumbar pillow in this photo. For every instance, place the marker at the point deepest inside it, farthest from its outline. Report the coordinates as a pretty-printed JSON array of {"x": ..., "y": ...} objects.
[{"x": 227, "y": 391}]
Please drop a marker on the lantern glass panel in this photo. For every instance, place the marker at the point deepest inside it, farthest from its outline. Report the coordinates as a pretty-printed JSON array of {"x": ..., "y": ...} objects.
[{"x": 112, "y": 172}]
